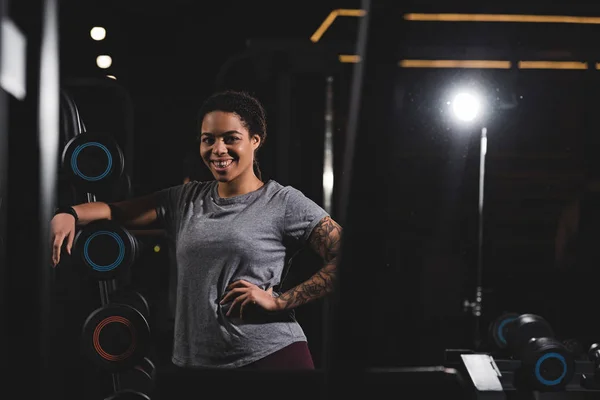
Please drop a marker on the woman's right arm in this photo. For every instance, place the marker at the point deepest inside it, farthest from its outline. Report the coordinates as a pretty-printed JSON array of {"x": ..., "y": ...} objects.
[{"x": 136, "y": 212}]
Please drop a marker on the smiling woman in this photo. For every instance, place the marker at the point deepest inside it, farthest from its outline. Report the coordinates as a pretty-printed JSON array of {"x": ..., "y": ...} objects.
[
  {"x": 238, "y": 121},
  {"x": 232, "y": 237},
  {"x": 232, "y": 129}
]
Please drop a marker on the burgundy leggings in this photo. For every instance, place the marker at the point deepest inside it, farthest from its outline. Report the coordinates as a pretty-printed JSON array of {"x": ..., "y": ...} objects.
[
  {"x": 295, "y": 356},
  {"x": 185, "y": 383}
]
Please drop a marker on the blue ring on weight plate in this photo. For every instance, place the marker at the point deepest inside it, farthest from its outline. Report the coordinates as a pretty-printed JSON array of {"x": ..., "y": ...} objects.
[
  {"x": 501, "y": 326},
  {"x": 538, "y": 365},
  {"x": 115, "y": 264},
  {"x": 75, "y": 155}
]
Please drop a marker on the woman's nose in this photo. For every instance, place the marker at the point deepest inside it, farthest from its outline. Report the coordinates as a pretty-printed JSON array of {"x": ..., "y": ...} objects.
[{"x": 219, "y": 147}]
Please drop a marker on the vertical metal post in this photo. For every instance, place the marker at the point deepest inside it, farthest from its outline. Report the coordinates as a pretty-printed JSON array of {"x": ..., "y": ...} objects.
[
  {"x": 475, "y": 306},
  {"x": 337, "y": 381},
  {"x": 354, "y": 111},
  {"x": 3, "y": 222},
  {"x": 479, "y": 284},
  {"x": 328, "y": 178},
  {"x": 328, "y": 181},
  {"x": 48, "y": 143},
  {"x": 284, "y": 118}
]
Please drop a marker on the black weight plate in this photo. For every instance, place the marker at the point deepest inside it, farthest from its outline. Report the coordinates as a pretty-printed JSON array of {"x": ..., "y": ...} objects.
[
  {"x": 122, "y": 189},
  {"x": 149, "y": 367},
  {"x": 526, "y": 327},
  {"x": 116, "y": 337},
  {"x": 550, "y": 366},
  {"x": 93, "y": 158},
  {"x": 92, "y": 161},
  {"x": 105, "y": 249},
  {"x": 137, "y": 379},
  {"x": 132, "y": 298},
  {"x": 128, "y": 395},
  {"x": 499, "y": 327}
]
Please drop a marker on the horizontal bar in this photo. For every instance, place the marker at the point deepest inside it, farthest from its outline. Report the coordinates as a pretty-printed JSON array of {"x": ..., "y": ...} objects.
[
  {"x": 342, "y": 12},
  {"x": 551, "y": 19},
  {"x": 481, "y": 64},
  {"x": 484, "y": 64},
  {"x": 349, "y": 58},
  {"x": 552, "y": 65}
]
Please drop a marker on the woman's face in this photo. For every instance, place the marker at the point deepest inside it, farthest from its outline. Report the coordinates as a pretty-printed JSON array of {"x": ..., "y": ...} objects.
[{"x": 226, "y": 146}]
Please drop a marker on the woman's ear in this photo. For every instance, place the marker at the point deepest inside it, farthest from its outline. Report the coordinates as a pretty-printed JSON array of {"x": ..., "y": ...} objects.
[{"x": 255, "y": 140}]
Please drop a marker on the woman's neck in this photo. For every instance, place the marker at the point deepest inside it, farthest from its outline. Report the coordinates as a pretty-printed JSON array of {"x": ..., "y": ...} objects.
[{"x": 238, "y": 188}]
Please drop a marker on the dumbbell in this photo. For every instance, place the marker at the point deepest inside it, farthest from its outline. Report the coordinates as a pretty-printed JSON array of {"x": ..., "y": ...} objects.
[
  {"x": 594, "y": 354},
  {"x": 106, "y": 249},
  {"x": 93, "y": 162},
  {"x": 140, "y": 378},
  {"x": 497, "y": 330},
  {"x": 116, "y": 337},
  {"x": 592, "y": 381},
  {"x": 546, "y": 363},
  {"x": 127, "y": 395}
]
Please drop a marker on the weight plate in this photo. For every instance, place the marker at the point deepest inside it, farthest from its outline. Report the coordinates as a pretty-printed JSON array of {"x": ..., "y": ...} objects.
[
  {"x": 92, "y": 161},
  {"x": 526, "y": 327},
  {"x": 137, "y": 379},
  {"x": 549, "y": 365},
  {"x": 498, "y": 329},
  {"x": 105, "y": 249},
  {"x": 149, "y": 367},
  {"x": 116, "y": 337},
  {"x": 132, "y": 298},
  {"x": 128, "y": 395}
]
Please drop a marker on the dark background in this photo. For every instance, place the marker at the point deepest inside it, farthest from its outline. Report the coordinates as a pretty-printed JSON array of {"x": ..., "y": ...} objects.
[{"x": 412, "y": 220}]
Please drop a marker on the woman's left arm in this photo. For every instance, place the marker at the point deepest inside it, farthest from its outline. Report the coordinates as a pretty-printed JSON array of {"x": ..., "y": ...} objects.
[{"x": 325, "y": 240}]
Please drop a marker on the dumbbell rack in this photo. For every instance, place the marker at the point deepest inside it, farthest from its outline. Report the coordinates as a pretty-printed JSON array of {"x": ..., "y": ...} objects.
[
  {"x": 494, "y": 378},
  {"x": 106, "y": 287}
]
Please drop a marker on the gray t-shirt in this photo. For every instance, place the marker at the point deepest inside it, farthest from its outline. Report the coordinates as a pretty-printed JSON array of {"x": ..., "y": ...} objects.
[{"x": 221, "y": 240}]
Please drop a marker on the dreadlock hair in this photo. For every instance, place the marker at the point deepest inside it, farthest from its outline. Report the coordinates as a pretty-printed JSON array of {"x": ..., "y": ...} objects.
[{"x": 246, "y": 107}]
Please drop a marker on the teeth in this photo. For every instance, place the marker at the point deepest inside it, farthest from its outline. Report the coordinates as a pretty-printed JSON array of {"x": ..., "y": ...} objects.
[{"x": 223, "y": 164}]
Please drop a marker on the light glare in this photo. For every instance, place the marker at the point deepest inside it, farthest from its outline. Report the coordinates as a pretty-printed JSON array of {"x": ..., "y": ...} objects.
[
  {"x": 104, "y": 62},
  {"x": 466, "y": 107},
  {"x": 98, "y": 33}
]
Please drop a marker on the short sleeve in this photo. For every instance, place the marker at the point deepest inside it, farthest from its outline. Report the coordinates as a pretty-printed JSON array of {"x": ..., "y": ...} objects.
[
  {"x": 167, "y": 206},
  {"x": 301, "y": 215}
]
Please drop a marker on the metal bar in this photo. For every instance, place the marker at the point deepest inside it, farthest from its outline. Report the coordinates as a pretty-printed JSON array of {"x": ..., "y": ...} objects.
[
  {"x": 328, "y": 183},
  {"x": 48, "y": 129},
  {"x": 328, "y": 178},
  {"x": 3, "y": 220},
  {"x": 337, "y": 381},
  {"x": 104, "y": 292},
  {"x": 478, "y": 303},
  {"x": 354, "y": 111},
  {"x": 284, "y": 128},
  {"x": 116, "y": 382}
]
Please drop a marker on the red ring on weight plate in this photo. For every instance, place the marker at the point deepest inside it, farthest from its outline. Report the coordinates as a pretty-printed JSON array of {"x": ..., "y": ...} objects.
[{"x": 98, "y": 346}]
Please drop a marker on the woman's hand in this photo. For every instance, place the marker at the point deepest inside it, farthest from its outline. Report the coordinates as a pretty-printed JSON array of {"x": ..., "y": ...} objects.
[
  {"x": 242, "y": 293},
  {"x": 62, "y": 227}
]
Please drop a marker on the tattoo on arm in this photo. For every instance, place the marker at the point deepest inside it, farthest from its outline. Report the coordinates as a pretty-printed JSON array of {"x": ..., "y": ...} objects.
[{"x": 325, "y": 239}]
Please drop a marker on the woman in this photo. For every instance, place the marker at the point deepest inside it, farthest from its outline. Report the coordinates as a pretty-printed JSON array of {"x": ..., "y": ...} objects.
[{"x": 231, "y": 238}]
